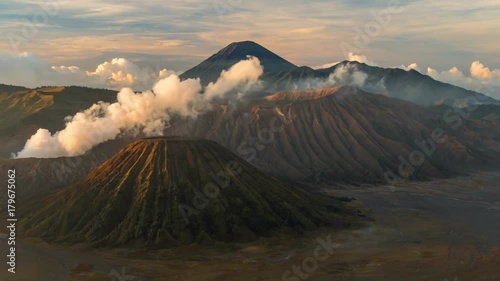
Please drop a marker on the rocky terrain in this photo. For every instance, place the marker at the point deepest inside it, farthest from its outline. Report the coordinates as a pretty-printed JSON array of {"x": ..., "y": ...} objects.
[
  {"x": 347, "y": 135},
  {"x": 165, "y": 192}
]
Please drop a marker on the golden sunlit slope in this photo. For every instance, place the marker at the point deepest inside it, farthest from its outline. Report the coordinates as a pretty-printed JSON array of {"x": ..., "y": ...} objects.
[
  {"x": 23, "y": 111},
  {"x": 292, "y": 96},
  {"x": 16, "y": 106}
]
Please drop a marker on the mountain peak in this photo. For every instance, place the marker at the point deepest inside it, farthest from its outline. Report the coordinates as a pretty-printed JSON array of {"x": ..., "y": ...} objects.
[
  {"x": 172, "y": 190},
  {"x": 246, "y": 43},
  {"x": 210, "y": 69}
]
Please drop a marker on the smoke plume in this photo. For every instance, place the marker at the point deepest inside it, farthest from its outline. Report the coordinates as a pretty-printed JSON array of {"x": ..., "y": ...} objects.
[
  {"x": 347, "y": 74},
  {"x": 344, "y": 75},
  {"x": 145, "y": 112}
]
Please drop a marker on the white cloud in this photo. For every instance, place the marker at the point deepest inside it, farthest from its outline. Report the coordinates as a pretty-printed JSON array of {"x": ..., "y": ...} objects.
[
  {"x": 327, "y": 65},
  {"x": 479, "y": 71},
  {"x": 351, "y": 57},
  {"x": 481, "y": 78},
  {"x": 361, "y": 58},
  {"x": 308, "y": 30},
  {"x": 450, "y": 75},
  {"x": 410, "y": 67},
  {"x": 29, "y": 70}
]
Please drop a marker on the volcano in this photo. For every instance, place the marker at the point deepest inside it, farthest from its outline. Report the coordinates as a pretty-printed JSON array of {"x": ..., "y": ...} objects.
[
  {"x": 175, "y": 191},
  {"x": 210, "y": 69}
]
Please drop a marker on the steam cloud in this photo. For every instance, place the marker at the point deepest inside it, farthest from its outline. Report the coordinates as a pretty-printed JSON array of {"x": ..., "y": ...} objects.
[
  {"x": 350, "y": 57},
  {"x": 347, "y": 75},
  {"x": 145, "y": 112},
  {"x": 480, "y": 76},
  {"x": 344, "y": 75}
]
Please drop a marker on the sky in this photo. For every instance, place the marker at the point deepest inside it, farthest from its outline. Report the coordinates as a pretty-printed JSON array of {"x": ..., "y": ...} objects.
[{"x": 51, "y": 41}]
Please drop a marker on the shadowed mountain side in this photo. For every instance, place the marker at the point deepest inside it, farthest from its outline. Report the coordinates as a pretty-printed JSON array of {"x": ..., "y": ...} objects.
[
  {"x": 11, "y": 88},
  {"x": 393, "y": 82},
  {"x": 418, "y": 88},
  {"x": 38, "y": 176},
  {"x": 486, "y": 112},
  {"x": 347, "y": 136},
  {"x": 151, "y": 192}
]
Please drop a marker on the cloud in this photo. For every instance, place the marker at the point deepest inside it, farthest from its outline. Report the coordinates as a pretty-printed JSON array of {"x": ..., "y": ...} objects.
[
  {"x": 479, "y": 71},
  {"x": 454, "y": 30},
  {"x": 347, "y": 74},
  {"x": 308, "y": 30},
  {"x": 147, "y": 112},
  {"x": 453, "y": 74},
  {"x": 360, "y": 58},
  {"x": 351, "y": 57},
  {"x": 327, "y": 65},
  {"x": 409, "y": 67},
  {"x": 481, "y": 78},
  {"x": 29, "y": 70},
  {"x": 343, "y": 75}
]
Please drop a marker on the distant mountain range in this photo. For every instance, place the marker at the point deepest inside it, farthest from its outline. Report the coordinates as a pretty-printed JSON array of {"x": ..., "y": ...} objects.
[
  {"x": 23, "y": 111},
  {"x": 281, "y": 75},
  {"x": 347, "y": 134}
]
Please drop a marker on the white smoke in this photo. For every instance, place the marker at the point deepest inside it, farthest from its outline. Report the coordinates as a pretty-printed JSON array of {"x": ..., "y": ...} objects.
[
  {"x": 350, "y": 57},
  {"x": 347, "y": 74},
  {"x": 326, "y": 65},
  {"x": 344, "y": 75},
  {"x": 145, "y": 112},
  {"x": 246, "y": 72}
]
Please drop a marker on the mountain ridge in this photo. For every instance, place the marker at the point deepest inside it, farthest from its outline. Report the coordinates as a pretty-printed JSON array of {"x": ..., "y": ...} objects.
[
  {"x": 411, "y": 86},
  {"x": 345, "y": 135}
]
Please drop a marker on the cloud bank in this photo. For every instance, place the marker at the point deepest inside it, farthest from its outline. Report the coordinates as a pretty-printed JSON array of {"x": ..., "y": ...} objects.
[
  {"x": 482, "y": 79},
  {"x": 147, "y": 112},
  {"x": 30, "y": 71}
]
